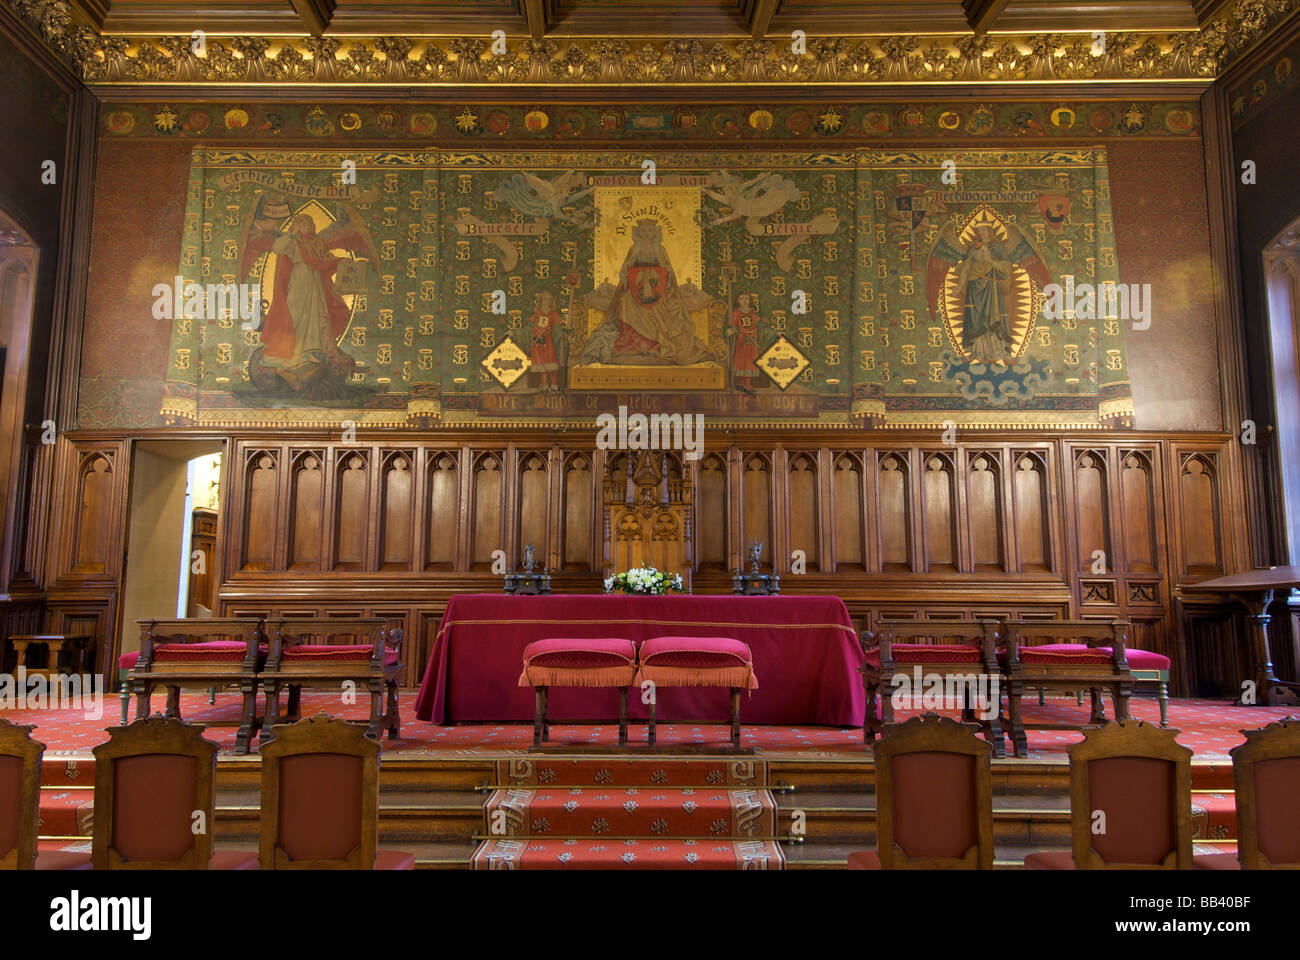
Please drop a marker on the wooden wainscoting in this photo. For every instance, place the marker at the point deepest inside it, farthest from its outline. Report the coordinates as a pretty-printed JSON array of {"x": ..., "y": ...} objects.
[{"x": 898, "y": 524}]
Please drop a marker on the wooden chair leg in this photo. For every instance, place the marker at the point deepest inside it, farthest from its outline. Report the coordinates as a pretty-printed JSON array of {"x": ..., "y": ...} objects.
[
  {"x": 539, "y": 715},
  {"x": 1098, "y": 706},
  {"x": 143, "y": 694},
  {"x": 650, "y": 727},
  {"x": 1018, "y": 739},
  {"x": 622, "y": 716},
  {"x": 870, "y": 722},
  {"x": 125, "y": 697},
  {"x": 248, "y": 712},
  {"x": 1041, "y": 701},
  {"x": 394, "y": 716},
  {"x": 1121, "y": 695},
  {"x": 173, "y": 703},
  {"x": 735, "y": 717},
  {"x": 267, "y": 733},
  {"x": 886, "y": 698},
  {"x": 1163, "y": 696},
  {"x": 375, "y": 725}
]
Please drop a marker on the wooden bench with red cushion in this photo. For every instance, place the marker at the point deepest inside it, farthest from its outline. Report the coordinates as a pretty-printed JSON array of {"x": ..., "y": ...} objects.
[
  {"x": 697, "y": 662},
  {"x": 306, "y": 652},
  {"x": 948, "y": 648},
  {"x": 207, "y": 652},
  {"x": 574, "y": 662}
]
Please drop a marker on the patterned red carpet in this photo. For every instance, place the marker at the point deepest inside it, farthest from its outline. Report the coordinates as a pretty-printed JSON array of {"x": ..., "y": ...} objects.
[
  {"x": 1209, "y": 727},
  {"x": 607, "y": 813}
]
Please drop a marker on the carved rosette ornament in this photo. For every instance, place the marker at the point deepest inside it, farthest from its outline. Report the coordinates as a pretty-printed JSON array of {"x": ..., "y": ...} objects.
[{"x": 606, "y": 60}]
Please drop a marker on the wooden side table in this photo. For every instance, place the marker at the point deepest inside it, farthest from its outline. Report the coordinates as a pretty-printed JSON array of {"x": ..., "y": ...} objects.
[{"x": 54, "y": 644}]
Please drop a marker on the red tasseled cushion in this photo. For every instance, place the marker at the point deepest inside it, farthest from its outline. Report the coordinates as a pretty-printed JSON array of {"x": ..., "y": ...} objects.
[
  {"x": 697, "y": 662},
  {"x": 1142, "y": 659},
  {"x": 1065, "y": 653},
  {"x": 929, "y": 653},
  {"x": 570, "y": 662},
  {"x": 577, "y": 654},
  {"x": 1081, "y": 653},
  {"x": 209, "y": 650},
  {"x": 127, "y": 661},
  {"x": 695, "y": 652},
  {"x": 335, "y": 653}
]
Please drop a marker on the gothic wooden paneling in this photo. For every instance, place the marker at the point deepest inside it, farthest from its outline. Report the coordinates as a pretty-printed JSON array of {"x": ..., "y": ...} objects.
[
  {"x": 989, "y": 526},
  {"x": 442, "y": 510},
  {"x": 307, "y": 509}
]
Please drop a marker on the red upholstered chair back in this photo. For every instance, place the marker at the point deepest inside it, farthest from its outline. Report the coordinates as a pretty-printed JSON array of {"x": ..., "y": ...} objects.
[
  {"x": 1130, "y": 798},
  {"x": 934, "y": 796},
  {"x": 1267, "y": 772},
  {"x": 320, "y": 797},
  {"x": 320, "y": 805},
  {"x": 20, "y": 778},
  {"x": 151, "y": 779}
]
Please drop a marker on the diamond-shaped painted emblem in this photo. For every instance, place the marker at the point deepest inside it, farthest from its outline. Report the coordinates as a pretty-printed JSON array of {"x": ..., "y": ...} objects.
[
  {"x": 571, "y": 806},
  {"x": 782, "y": 362},
  {"x": 507, "y": 363}
]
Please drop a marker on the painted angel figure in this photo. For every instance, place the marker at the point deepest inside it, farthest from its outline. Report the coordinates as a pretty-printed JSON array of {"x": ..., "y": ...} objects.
[
  {"x": 306, "y": 316},
  {"x": 534, "y": 197},
  {"x": 985, "y": 285},
  {"x": 752, "y": 199}
]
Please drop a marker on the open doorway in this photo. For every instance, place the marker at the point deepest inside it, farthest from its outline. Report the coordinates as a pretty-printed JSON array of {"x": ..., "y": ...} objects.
[{"x": 171, "y": 559}]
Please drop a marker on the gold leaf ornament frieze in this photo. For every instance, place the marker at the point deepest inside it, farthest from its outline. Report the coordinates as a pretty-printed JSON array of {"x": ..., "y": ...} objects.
[{"x": 591, "y": 61}]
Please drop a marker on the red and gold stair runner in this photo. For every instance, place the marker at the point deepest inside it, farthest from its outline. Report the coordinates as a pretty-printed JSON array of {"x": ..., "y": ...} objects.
[{"x": 640, "y": 813}]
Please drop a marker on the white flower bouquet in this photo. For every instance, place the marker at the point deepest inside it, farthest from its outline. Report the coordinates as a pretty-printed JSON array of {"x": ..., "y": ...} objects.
[{"x": 643, "y": 580}]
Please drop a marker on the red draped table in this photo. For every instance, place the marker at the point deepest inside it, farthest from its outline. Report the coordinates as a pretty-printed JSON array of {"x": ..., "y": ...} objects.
[{"x": 805, "y": 649}]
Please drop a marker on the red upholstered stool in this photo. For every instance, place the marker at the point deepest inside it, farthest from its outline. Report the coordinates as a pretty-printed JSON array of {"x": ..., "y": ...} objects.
[
  {"x": 566, "y": 662},
  {"x": 698, "y": 662}
]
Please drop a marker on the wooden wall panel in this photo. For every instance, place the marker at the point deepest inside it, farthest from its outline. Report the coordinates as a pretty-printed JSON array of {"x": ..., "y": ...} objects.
[
  {"x": 802, "y": 508},
  {"x": 711, "y": 522},
  {"x": 579, "y": 505},
  {"x": 307, "y": 510},
  {"x": 442, "y": 511},
  {"x": 397, "y": 533},
  {"x": 895, "y": 503},
  {"x": 893, "y": 524}
]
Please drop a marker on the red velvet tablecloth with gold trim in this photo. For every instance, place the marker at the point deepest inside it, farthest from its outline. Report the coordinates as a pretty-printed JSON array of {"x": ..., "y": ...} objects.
[{"x": 805, "y": 649}]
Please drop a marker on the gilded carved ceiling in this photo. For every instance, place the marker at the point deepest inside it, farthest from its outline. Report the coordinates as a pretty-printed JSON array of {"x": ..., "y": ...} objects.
[{"x": 678, "y": 43}]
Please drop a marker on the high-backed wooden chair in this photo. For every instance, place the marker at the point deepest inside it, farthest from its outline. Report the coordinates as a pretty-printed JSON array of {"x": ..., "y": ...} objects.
[
  {"x": 958, "y": 652},
  {"x": 320, "y": 799},
  {"x": 1266, "y": 769},
  {"x": 934, "y": 798},
  {"x": 210, "y": 653},
  {"x": 20, "y": 797},
  {"x": 331, "y": 651},
  {"x": 1077, "y": 655},
  {"x": 20, "y": 790},
  {"x": 155, "y": 800},
  {"x": 1130, "y": 802}
]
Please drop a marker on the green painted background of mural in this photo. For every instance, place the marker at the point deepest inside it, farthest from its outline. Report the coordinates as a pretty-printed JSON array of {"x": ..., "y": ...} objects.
[{"x": 866, "y": 346}]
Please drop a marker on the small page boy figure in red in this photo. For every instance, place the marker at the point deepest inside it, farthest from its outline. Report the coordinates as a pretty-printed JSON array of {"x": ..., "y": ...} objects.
[
  {"x": 546, "y": 362},
  {"x": 744, "y": 359}
]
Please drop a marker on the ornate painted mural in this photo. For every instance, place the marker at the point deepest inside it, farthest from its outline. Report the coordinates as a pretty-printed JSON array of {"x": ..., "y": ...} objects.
[{"x": 875, "y": 287}]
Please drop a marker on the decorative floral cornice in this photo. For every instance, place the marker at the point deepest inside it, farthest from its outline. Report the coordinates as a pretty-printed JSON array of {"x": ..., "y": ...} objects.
[{"x": 1202, "y": 54}]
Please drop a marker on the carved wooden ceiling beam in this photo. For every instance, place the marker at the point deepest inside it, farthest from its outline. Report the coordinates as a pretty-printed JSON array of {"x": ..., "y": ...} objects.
[{"x": 545, "y": 61}]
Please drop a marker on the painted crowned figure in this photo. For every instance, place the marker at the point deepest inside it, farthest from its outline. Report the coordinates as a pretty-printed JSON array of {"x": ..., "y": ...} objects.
[
  {"x": 648, "y": 316},
  {"x": 985, "y": 277}
]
